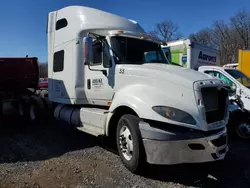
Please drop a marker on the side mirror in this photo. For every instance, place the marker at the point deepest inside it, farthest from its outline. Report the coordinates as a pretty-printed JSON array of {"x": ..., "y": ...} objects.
[
  {"x": 87, "y": 50},
  {"x": 233, "y": 87},
  {"x": 238, "y": 91},
  {"x": 88, "y": 55},
  {"x": 232, "y": 90}
]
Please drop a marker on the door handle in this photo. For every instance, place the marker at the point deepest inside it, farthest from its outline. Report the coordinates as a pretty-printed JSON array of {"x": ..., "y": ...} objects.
[{"x": 88, "y": 84}]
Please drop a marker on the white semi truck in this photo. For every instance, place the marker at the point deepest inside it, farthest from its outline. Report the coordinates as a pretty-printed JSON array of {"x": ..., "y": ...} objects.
[
  {"x": 190, "y": 54},
  {"x": 104, "y": 82}
]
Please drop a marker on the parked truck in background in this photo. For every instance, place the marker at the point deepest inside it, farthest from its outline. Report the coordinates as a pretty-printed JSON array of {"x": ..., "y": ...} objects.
[
  {"x": 239, "y": 91},
  {"x": 231, "y": 65},
  {"x": 43, "y": 83},
  {"x": 103, "y": 82},
  {"x": 244, "y": 62},
  {"x": 239, "y": 107},
  {"x": 18, "y": 85},
  {"x": 191, "y": 54}
]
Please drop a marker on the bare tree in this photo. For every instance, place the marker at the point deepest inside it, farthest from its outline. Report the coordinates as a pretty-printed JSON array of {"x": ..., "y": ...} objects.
[
  {"x": 153, "y": 35},
  {"x": 227, "y": 37},
  {"x": 204, "y": 36},
  {"x": 223, "y": 39},
  {"x": 241, "y": 23},
  {"x": 166, "y": 31}
]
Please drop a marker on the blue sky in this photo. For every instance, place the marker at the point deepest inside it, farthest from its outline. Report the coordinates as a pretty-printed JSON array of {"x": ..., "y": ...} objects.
[{"x": 23, "y": 22}]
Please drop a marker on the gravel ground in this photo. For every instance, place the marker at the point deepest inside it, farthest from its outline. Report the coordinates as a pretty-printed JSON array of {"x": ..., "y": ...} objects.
[{"x": 53, "y": 155}]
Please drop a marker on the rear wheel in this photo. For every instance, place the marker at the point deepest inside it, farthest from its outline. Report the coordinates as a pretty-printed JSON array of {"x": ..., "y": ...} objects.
[
  {"x": 239, "y": 125},
  {"x": 129, "y": 143},
  {"x": 24, "y": 108},
  {"x": 31, "y": 108},
  {"x": 243, "y": 130},
  {"x": 36, "y": 108}
]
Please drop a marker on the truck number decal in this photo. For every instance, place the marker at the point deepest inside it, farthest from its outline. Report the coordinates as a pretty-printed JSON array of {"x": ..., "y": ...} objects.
[{"x": 121, "y": 71}]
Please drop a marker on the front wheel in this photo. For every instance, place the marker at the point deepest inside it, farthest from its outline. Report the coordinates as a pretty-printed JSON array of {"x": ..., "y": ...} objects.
[{"x": 129, "y": 143}]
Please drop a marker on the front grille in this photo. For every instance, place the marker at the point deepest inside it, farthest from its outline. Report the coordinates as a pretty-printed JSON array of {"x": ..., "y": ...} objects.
[{"x": 215, "y": 103}]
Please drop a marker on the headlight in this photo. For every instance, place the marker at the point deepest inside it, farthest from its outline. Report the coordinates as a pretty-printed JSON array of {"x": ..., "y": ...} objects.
[{"x": 175, "y": 114}]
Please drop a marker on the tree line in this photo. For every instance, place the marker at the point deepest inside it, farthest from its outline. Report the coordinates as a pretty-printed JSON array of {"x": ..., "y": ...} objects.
[
  {"x": 43, "y": 70},
  {"x": 227, "y": 37}
]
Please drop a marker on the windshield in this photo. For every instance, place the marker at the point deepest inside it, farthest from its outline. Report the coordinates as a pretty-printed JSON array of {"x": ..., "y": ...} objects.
[
  {"x": 137, "y": 51},
  {"x": 241, "y": 77}
]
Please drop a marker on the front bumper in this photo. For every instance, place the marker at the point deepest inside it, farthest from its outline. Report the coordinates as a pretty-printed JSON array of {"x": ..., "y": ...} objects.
[{"x": 165, "y": 147}]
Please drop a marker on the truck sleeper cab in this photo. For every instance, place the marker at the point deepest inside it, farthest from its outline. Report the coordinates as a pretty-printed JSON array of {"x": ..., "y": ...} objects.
[{"x": 109, "y": 78}]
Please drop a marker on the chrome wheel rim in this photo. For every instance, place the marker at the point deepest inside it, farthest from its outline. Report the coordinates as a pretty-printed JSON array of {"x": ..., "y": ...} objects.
[{"x": 126, "y": 143}]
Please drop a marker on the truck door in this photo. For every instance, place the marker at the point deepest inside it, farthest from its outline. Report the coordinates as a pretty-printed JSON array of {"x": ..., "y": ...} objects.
[{"x": 100, "y": 83}]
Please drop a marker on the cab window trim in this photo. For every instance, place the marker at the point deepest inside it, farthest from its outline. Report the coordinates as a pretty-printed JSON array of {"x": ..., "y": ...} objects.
[
  {"x": 103, "y": 53},
  {"x": 62, "y": 23}
]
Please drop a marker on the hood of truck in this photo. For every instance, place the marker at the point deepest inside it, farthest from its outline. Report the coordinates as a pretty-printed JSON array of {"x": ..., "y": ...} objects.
[{"x": 166, "y": 72}]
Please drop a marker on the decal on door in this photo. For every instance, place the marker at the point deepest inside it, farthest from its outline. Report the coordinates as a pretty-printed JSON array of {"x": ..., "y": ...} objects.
[{"x": 97, "y": 83}]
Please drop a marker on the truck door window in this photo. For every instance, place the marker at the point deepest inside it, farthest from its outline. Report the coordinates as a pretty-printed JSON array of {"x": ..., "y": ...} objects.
[
  {"x": 61, "y": 24},
  {"x": 230, "y": 83},
  {"x": 238, "y": 75},
  {"x": 211, "y": 73},
  {"x": 97, "y": 53},
  {"x": 224, "y": 78},
  {"x": 58, "y": 62},
  {"x": 101, "y": 54}
]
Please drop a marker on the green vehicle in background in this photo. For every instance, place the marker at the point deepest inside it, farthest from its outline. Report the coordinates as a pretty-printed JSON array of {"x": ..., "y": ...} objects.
[{"x": 191, "y": 54}]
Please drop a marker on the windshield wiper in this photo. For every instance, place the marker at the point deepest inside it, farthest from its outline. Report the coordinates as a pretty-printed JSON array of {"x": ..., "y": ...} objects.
[{"x": 114, "y": 52}]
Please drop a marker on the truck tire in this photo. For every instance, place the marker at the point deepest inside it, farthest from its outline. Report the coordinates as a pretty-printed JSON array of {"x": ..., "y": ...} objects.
[
  {"x": 243, "y": 129},
  {"x": 24, "y": 108},
  {"x": 44, "y": 93},
  {"x": 239, "y": 125},
  {"x": 48, "y": 109},
  {"x": 36, "y": 108},
  {"x": 129, "y": 143}
]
